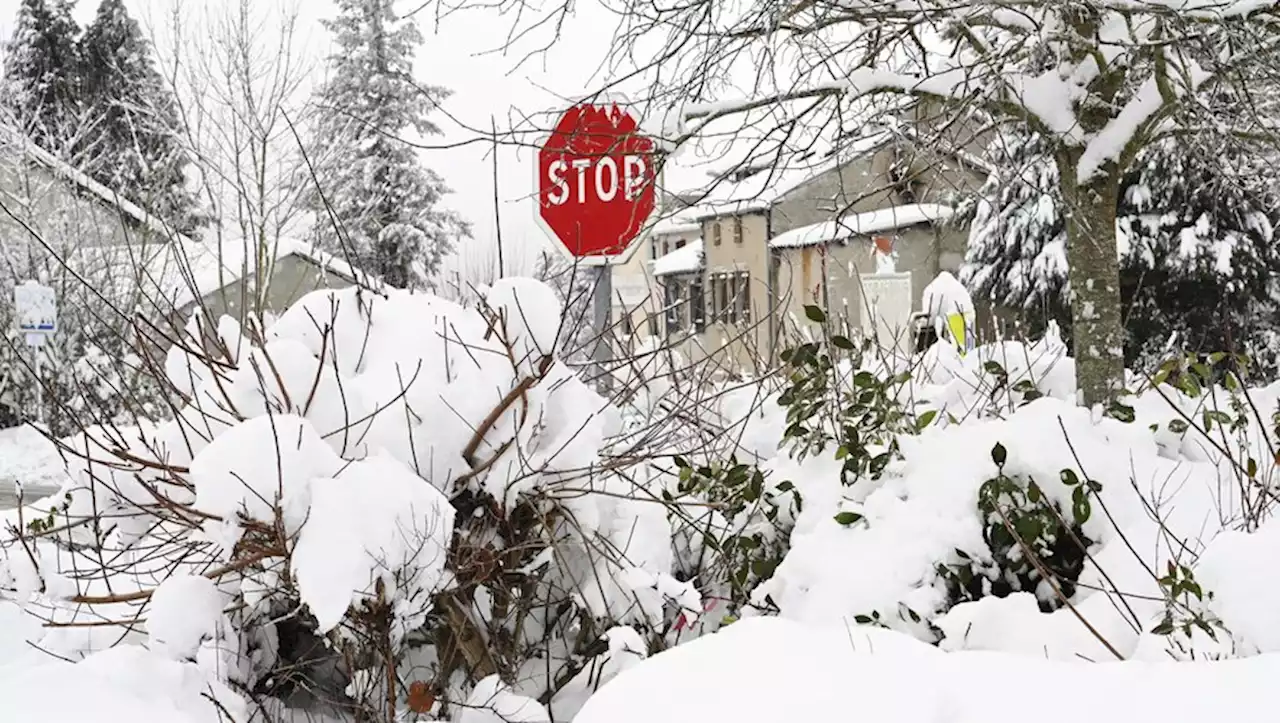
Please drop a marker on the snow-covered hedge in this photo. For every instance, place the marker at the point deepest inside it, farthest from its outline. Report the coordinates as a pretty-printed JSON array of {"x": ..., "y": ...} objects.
[{"x": 388, "y": 504}]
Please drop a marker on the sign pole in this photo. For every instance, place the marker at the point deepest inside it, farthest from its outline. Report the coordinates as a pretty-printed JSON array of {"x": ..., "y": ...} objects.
[
  {"x": 603, "y": 353},
  {"x": 36, "y": 313},
  {"x": 35, "y": 362}
]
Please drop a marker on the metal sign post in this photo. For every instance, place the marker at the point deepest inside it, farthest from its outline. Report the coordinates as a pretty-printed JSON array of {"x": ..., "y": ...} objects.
[
  {"x": 601, "y": 302},
  {"x": 36, "y": 314}
]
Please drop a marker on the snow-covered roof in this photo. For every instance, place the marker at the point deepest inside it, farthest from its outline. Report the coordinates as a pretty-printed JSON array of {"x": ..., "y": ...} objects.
[
  {"x": 101, "y": 192},
  {"x": 179, "y": 273},
  {"x": 881, "y": 219},
  {"x": 678, "y": 223},
  {"x": 778, "y": 174},
  {"x": 684, "y": 260},
  {"x": 746, "y": 161}
]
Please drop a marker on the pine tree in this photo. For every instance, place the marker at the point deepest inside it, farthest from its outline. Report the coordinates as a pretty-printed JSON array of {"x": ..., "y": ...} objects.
[
  {"x": 40, "y": 75},
  {"x": 132, "y": 145},
  {"x": 1197, "y": 253},
  {"x": 386, "y": 203}
]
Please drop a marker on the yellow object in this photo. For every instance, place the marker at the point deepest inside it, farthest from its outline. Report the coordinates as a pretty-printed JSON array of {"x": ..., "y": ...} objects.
[{"x": 956, "y": 322}]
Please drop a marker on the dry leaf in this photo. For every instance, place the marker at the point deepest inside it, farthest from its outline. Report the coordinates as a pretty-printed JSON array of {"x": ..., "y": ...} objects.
[{"x": 421, "y": 699}]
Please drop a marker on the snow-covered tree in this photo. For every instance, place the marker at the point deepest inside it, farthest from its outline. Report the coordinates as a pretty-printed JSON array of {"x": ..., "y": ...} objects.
[
  {"x": 40, "y": 74},
  {"x": 133, "y": 142},
  {"x": 375, "y": 202},
  {"x": 1098, "y": 80},
  {"x": 1195, "y": 242}
]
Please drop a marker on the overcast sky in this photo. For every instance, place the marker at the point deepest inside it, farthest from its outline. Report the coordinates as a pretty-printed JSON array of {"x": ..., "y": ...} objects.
[{"x": 484, "y": 83}]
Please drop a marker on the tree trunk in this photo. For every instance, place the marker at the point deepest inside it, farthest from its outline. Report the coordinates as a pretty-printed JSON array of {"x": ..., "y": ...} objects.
[{"x": 1094, "y": 272}]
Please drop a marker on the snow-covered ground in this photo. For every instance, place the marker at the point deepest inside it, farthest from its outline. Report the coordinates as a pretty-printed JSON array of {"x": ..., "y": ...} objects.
[
  {"x": 902, "y": 591},
  {"x": 28, "y": 458}
]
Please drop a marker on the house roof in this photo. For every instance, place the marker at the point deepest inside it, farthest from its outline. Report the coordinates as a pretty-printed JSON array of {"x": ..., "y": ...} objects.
[
  {"x": 64, "y": 170},
  {"x": 684, "y": 260},
  {"x": 174, "y": 275},
  {"x": 678, "y": 223},
  {"x": 751, "y": 163},
  {"x": 853, "y": 224}
]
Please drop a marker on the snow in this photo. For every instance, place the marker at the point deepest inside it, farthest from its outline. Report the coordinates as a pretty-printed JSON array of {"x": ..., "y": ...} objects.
[
  {"x": 747, "y": 162},
  {"x": 104, "y": 194},
  {"x": 173, "y": 275},
  {"x": 867, "y": 222},
  {"x": 684, "y": 260},
  {"x": 492, "y": 701},
  {"x": 676, "y": 224},
  {"x": 945, "y": 295},
  {"x": 123, "y": 684},
  {"x": 1147, "y": 101},
  {"x": 185, "y": 610},
  {"x": 827, "y": 674},
  {"x": 30, "y": 459},
  {"x": 373, "y": 520}
]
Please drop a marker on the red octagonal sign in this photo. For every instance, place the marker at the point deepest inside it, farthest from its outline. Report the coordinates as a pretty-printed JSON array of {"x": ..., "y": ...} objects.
[{"x": 595, "y": 181}]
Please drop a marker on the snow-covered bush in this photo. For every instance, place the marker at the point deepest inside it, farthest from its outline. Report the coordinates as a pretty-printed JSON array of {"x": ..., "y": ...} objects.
[
  {"x": 978, "y": 507},
  {"x": 379, "y": 505}
]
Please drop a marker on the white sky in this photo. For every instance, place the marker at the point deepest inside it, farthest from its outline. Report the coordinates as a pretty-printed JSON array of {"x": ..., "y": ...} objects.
[{"x": 455, "y": 56}]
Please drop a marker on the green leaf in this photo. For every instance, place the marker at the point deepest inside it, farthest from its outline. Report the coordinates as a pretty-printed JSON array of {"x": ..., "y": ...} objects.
[
  {"x": 842, "y": 342},
  {"x": 999, "y": 454},
  {"x": 815, "y": 314},
  {"x": 847, "y": 518},
  {"x": 1033, "y": 493},
  {"x": 1121, "y": 412},
  {"x": 1081, "y": 509},
  {"x": 1164, "y": 628},
  {"x": 925, "y": 419},
  {"x": 680, "y": 462},
  {"x": 1068, "y": 477},
  {"x": 994, "y": 369}
]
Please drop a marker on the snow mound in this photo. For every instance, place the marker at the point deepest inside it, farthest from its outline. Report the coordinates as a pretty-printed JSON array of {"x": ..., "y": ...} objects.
[{"x": 827, "y": 674}]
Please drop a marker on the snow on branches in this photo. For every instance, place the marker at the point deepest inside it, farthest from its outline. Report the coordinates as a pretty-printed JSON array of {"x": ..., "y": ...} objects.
[{"x": 412, "y": 482}]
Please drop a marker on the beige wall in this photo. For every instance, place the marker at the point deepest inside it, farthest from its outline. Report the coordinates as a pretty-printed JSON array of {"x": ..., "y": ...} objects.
[
  {"x": 922, "y": 250},
  {"x": 738, "y": 344},
  {"x": 636, "y": 293},
  {"x": 54, "y": 207}
]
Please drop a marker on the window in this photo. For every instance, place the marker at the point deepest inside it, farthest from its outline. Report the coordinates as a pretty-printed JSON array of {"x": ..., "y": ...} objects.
[
  {"x": 731, "y": 297},
  {"x": 720, "y": 296},
  {"x": 680, "y": 243},
  {"x": 737, "y": 230},
  {"x": 653, "y": 248},
  {"x": 715, "y": 232},
  {"x": 697, "y": 305},
  {"x": 673, "y": 316},
  {"x": 628, "y": 327}
]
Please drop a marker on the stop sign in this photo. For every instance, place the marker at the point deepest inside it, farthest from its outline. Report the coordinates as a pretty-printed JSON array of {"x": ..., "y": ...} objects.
[{"x": 595, "y": 181}]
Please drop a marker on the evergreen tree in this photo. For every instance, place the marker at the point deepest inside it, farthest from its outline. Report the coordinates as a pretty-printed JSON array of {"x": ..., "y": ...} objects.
[
  {"x": 132, "y": 144},
  {"x": 40, "y": 75},
  {"x": 1197, "y": 252},
  {"x": 386, "y": 203}
]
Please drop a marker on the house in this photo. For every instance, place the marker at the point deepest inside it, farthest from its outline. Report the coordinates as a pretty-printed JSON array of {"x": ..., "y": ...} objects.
[
  {"x": 94, "y": 246},
  {"x": 800, "y": 227},
  {"x": 239, "y": 279},
  {"x": 45, "y": 196},
  {"x": 639, "y": 302}
]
